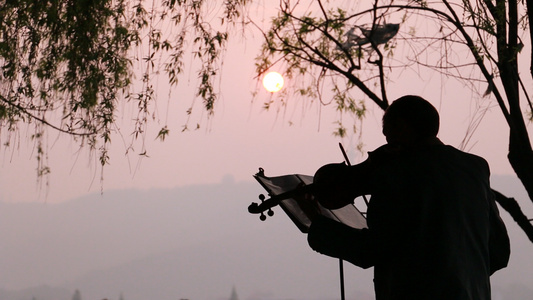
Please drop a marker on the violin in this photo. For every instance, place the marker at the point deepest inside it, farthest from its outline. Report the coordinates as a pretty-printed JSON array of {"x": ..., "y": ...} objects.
[
  {"x": 296, "y": 195},
  {"x": 266, "y": 205},
  {"x": 332, "y": 187},
  {"x": 296, "y": 188}
]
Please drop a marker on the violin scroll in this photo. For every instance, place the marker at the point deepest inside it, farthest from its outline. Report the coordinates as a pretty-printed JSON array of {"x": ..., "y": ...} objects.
[
  {"x": 266, "y": 205},
  {"x": 255, "y": 208}
]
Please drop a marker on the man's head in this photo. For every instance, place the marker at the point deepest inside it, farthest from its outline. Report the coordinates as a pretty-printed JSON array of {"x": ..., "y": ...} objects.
[{"x": 410, "y": 119}]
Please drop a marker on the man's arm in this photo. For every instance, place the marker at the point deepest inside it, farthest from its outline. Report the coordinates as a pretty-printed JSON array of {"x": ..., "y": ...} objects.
[{"x": 335, "y": 239}]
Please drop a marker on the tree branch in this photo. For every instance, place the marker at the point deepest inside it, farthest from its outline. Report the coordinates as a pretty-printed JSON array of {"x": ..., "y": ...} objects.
[
  {"x": 511, "y": 206},
  {"x": 42, "y": 120},
  {"x": 529, "y": 13},
  {"x": 479, "y": 60}
]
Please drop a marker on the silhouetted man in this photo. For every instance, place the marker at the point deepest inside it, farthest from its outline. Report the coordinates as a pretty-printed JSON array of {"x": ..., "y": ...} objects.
[{"x": 434, "y": 230}]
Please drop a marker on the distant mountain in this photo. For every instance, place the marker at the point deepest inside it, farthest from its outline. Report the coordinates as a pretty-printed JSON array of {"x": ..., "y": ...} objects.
[
  {"x": 259, "y": 270},
  {"x": 195, "y": 242},
  {"x": 57, "y": 242},
  {"x": 37, "y": 293}
]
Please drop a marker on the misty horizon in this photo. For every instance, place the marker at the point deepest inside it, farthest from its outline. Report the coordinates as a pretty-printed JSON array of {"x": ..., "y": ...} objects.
[{"x": 168, "y": 243}]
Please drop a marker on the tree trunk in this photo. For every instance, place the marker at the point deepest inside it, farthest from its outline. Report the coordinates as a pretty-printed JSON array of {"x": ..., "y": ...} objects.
[{"x": 521, "y": 158}]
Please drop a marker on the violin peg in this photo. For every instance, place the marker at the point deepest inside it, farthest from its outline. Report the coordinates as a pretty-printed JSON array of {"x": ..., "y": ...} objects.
[
  {"x": 253, "y": 208},
  {"x": 261, "y": 197},
  {"x": 270, "y": 212},
  {"x": 262, "y": 217}
]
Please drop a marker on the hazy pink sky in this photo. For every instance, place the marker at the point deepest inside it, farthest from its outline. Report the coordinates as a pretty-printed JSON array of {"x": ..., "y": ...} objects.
[{"x": 241, "y": 137}]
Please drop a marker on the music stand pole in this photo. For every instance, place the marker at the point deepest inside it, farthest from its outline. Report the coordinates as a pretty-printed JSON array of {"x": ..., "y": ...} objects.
[
  {"x": 341, "y": 271},
  {"x": 341, "y": 264}
]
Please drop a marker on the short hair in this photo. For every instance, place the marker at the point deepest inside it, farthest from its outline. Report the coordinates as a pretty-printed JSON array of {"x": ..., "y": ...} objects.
[{"x": 416, "y": 112}]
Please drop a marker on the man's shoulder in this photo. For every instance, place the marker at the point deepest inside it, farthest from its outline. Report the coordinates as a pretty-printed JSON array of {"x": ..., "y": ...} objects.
[
  {"x": 435, "y": 153},
  {"x": 455, "y": 153}
]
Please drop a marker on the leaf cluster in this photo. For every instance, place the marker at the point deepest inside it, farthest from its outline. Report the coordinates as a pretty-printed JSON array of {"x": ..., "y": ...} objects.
[{"x": 65, "y": 65}]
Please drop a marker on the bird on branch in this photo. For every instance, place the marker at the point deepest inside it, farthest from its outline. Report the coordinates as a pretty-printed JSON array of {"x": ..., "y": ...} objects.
[{"x": 379, "y": 34}]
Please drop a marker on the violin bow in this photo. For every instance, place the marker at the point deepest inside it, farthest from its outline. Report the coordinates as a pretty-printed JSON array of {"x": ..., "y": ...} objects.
[{"x": 347, "y": 160}]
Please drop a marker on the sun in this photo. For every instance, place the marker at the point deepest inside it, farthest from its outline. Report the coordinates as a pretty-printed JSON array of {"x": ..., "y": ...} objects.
[{"x": 273, "y": 82}]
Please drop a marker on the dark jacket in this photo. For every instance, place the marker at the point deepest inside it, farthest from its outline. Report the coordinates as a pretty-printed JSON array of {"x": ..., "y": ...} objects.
[{"x": 434, "y": 230}]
